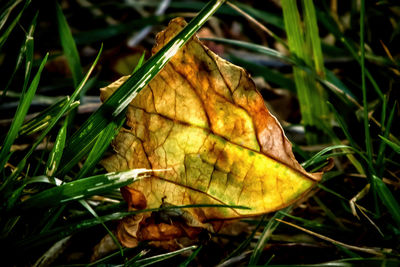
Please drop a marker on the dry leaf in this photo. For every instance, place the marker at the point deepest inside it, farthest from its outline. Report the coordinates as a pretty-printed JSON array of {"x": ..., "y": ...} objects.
[{"x": 203, "y": 120}]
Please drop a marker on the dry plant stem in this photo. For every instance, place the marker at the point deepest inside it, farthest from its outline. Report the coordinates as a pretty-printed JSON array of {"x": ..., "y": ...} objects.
[
  {"x": 363, "y": 211},
  {"x": 359, "y": 196},
  {"x": 365, "y": 250},
  {"x": 258, "y": 24}
]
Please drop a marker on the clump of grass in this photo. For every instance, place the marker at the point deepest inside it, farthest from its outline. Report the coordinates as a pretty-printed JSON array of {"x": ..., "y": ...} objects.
[{"x": 354, "y": 216}]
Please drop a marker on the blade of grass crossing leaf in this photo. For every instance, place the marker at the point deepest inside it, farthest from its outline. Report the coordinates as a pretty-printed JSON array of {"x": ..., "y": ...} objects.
[
  {"x": 387, "y": 199},
  {"x": 69, "y": 47},
  {"x": 161, "y": 257},
  {"x": 20, "y": 114},
  {"x": 120, "y": 99},
  {"x": 266, "y": 235},
  {"x": 7, "y": 32},
  {"x": 90, "y": 209},
  {"x": 82, "y": 188},
  {"x": 56, "y": 152},
  {"x": 105, "y": 137},
  {"x": 22, "y": 163}
]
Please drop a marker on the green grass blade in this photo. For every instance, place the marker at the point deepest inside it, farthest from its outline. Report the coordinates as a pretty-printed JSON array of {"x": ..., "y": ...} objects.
[
  {"x": 393, "y": 145},
  {"x": 310, "y": 20},
  {"x": 22, "y": 163},
  {"x": 266, "y": 235},
  {"x": 4, "y": 36},
  {"x": 82, "y": 188},
  {"x": 69, "y": 47},
  {"x": 387, "y": 199},
  {"x": 382, "y": 146},
  {"x": 330, "y": 81},
  {"x": 330, "y": 24},
  {"x": 6, "y": 11},
  {"x": 268, "y": 74},
  {"x": 368, "y": 142},
  {"x": 161, "y": 257},
  {"x": 56, "y": 152},
  {"x": 20, "y": 115},
  {"x": 27, "y": 51},
  {"x": 120, "y": 99},
  {"x": 316, "y": 158},
  {"x": 246, "y": 242},
  {"x": 66, "y": 230},
  {"x": 91, "y": 210},
  {"x": 311, "y": 96},
  {"x": 41, "y": 120},
  {"x": 342, "y": 125},
  {"x": 101, "y": 145},
  {"x": 262, "y": 15},
  {"x": 192, "y": 256},
  {"x": 112, "y": 31}
]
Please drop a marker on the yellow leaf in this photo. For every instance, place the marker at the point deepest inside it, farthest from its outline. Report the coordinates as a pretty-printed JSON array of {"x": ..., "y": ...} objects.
[{"x": 202, "y": 119}]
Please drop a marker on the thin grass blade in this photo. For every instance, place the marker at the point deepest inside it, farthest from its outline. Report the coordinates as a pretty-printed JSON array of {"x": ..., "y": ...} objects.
[
  {"x": 56, "y": 152},
  {"x": 7, "y": 32},
  {"x": 6, "y": 11},
  {"x": 192, "y": 256},
  {"x": 330, "y": 81},
  {"x": 387, "y": 199},
  {"x": 25, "y": 51},
  {"x": 20, "y": 114},
  {"x": 240, "y": 249},
  {"x": 40, "y": 121},
  {"x": 91, "y": 210},
  {"x": 317, "y": 156},
  {"x": 69, "y": 47},
  {"x": 101, "y": 145},
  {"x": 161, "y": 257},
  {"x": 266, "y": 235},
  {"x": 393, "y": 145},
  {"x": 22, "y": 163},
  {"x": 82, "y": 188},
  {"x": 382, "y": 146}
]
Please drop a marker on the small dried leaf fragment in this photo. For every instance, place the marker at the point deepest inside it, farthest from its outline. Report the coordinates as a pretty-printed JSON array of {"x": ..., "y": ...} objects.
[{"x": 203, "y": 120}]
